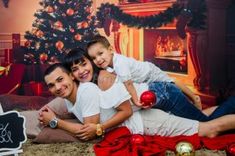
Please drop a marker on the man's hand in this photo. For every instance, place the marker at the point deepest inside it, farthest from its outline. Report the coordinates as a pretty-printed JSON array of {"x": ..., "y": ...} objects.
[
  {"x": 87, "y": 132},
  {"x": 46, "y": 115}
]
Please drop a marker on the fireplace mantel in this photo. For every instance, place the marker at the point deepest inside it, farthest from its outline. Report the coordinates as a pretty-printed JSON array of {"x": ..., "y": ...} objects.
[{"x": 146, "y": 8}]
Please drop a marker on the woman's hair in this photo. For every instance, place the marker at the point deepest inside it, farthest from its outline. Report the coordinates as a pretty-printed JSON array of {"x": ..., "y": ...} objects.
[
  {"x": 99, "y": 39},
  {"x": 76, "y": 56}
]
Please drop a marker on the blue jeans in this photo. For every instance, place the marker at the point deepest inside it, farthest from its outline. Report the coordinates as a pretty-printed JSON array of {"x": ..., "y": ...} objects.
[{"x": 171, "y": 99}]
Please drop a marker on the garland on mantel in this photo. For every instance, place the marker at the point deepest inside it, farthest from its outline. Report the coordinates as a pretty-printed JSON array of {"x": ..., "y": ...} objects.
[{"x": 197, "y": 14}]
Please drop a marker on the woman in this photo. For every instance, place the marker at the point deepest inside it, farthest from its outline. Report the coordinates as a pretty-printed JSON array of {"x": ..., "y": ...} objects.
[
  {"x": 86, "y": 71},
  {"x": 109, "y": 112}
]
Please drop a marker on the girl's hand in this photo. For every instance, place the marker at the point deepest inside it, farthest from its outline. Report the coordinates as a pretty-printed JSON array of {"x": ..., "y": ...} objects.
[{"x": 87, "y": 132}]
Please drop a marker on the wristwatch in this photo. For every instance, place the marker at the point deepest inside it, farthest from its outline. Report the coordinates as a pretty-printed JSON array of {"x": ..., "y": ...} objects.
[
  {"x": 54, "y": 122},
  {"x": 99, "y": 130}
]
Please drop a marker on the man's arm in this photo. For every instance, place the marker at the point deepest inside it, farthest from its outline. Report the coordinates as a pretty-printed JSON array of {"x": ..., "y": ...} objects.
[{"x": 47, "y": 115}]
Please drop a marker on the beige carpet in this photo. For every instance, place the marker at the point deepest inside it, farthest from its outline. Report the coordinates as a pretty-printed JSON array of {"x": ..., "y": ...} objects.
[{"x": 84, "y": 149}]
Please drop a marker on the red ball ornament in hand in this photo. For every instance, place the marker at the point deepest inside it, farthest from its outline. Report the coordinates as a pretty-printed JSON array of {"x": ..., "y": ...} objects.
[
  {"x": 231, "y": 150},
  {"x": 148, "y": 98},
  {"x": 137, "y": 139}
]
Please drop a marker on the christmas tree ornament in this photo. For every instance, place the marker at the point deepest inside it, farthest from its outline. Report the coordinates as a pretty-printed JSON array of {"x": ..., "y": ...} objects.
[
  {"x": 62, "y": 1},
  {"x": 71, "y": 30},
  {"x": 148, "y": 98},
  {"x": 43, "y": 57},
  {"x": 27, "y": 43},
  {"x": 50, "y": 9},
  {"x": 59, "y": 45},
  {"x": 231, "y": 150},
  {"x": 88, "y": 9},
  {"x": 78, "y": 37},
  {"x": 70, "y": 12},
  {"x": 137, "y": 139},
  {"x": 84, "y": 25},
  {"x": 184, "y": 149},
  {"x": 39, "y": 33},
  {"x": 58, "y": 25}
]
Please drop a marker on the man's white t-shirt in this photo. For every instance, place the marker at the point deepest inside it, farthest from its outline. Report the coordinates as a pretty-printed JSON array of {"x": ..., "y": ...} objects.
[{"x": 87, "y": 101}]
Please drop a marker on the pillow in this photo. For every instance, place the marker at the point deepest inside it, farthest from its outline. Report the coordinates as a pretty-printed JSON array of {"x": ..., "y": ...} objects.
[
  {"x": 32, "y": 125},
  {"x": 49, "y": 135},
  {"x": 10, "y": 102},
  {"x": 58, "y": 106}
]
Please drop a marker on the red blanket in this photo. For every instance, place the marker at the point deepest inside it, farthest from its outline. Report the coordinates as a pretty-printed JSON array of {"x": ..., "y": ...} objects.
[{"x": 119, "y": 142}]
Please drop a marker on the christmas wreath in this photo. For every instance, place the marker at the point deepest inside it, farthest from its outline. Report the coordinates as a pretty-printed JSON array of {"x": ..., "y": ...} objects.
[{"x": 193, "y": 15}]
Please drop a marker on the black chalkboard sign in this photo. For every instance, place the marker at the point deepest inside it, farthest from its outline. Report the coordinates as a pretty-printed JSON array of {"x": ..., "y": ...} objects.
[{"x": 12, "y": 131}]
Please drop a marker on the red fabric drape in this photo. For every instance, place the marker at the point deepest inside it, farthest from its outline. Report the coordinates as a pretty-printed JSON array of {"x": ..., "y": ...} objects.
[{"x": 118, "y": 143}]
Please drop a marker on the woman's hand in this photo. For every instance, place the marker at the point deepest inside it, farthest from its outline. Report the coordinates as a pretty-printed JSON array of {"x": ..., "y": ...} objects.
[
  {"x": 46, "y": 115},
  {"x": 87, "y": 132}
]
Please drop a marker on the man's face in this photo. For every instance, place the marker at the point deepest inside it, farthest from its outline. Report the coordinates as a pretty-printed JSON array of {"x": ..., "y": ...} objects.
[
  {"x": 83, "y": 71},
  {"x": 101, "y": 56},
  {"x": 60, "y": 83}
]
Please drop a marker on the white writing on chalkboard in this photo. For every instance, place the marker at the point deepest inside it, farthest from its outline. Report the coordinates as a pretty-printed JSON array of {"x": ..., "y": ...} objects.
[{"x": 5, "y": 136}]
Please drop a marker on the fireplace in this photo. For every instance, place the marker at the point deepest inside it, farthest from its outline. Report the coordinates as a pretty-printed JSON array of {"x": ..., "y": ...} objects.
[
  {"x": 161, "y": 46},
  {"x": 166, "y": 49}
]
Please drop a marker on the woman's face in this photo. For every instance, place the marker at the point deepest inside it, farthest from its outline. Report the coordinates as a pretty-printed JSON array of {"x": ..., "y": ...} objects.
[{"x": 83, "y": 71}]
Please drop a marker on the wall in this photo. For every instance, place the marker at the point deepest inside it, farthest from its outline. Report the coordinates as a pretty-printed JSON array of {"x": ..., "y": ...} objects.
[{"x": 18, "y": 16}]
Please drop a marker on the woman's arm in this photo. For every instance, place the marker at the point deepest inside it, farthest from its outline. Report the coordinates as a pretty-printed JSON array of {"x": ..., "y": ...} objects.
[{"x": 124, "y": 111}]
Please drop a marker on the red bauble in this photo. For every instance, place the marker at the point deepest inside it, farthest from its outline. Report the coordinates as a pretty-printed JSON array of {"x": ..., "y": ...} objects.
[
  {"x": 39, "y": 33},
  {"x": 84, "y": 25},
  {"x": 137, "y": 139},
  {"x": 43, "y": 57},
  {"x": 50, "y": 9},
  {"x": 59, "y": 45},
  {"x": 58, "y": 25},
  {"x": 72, "y": 30},
  {"x": 70, "y": 12},
  {"x": 148, "y": 98},
  {"x": 62, "y": 1},
  {"x": 78, "y": 37},
  {"x": 231, "y": 150}
]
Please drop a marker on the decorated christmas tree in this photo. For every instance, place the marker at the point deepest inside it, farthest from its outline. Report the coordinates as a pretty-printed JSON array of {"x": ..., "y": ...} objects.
[{"x": 59, "y": 26}]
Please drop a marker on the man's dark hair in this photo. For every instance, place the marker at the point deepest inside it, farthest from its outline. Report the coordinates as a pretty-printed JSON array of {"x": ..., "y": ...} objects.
[
  {"x": 99, "y": 39},
  {"x": 51, "y": 68}
]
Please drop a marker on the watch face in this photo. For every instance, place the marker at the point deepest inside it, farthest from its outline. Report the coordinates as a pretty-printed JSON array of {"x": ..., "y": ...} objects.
[
  {"x": 53, "y": 123},
  {"x": 99, "y": 132}
]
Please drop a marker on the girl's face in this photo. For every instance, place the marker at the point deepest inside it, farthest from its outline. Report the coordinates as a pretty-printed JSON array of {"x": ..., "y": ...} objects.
[
  {"x": 83, "y": 71},
  {"x": 101, "y": 56}
]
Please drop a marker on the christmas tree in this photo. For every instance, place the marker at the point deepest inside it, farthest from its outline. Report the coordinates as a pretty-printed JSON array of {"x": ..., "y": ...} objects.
[{"x": 59, "y": 26}]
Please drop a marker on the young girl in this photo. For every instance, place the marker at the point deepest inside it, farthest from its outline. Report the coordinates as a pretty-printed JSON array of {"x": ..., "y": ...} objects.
[{"x": 130, "y": 70}]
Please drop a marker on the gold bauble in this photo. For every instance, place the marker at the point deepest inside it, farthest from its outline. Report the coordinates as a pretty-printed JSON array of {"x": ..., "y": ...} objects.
[{"x": 184, "y": 149}]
